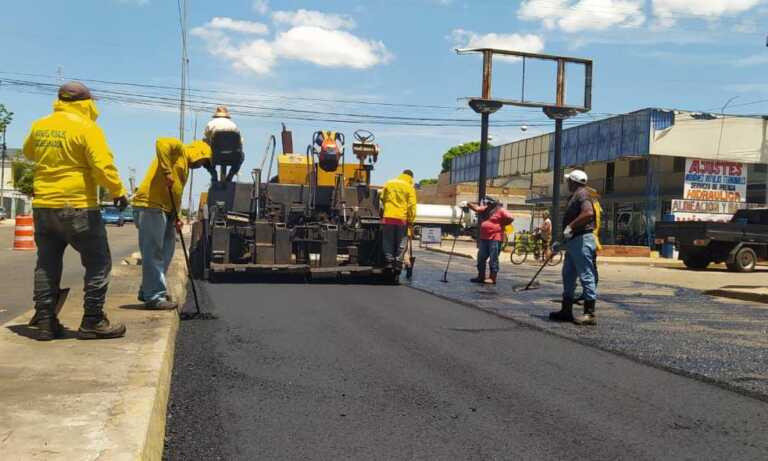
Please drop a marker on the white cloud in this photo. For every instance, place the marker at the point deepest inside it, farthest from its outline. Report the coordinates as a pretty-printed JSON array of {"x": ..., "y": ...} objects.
[
  {"x": 753, "y": 60},
  {"x": 261, "y": 6},
  {"x": 467, "y": 39},
  {"x": 245, "y": 27},
  {"x": 667, "y": 11},
  {"x": 313, "y": 19},
  {"x": 579, "y": 15},
  {"x": 330, "y": 48},
  {"x": 321, "y": 43}
]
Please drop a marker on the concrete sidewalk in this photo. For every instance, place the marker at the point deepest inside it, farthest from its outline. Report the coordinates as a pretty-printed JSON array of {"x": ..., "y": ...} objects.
[
  {"x": 468, "y": 250},
  {"x": 90, "y": 400}
]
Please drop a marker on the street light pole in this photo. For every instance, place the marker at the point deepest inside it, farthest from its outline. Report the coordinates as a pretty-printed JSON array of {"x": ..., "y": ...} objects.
[{"x": 2, "y": 171}]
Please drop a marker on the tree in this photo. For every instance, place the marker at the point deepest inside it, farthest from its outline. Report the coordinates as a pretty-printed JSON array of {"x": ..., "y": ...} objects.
[
  {"x": 425, "y": 182},
  {"x": 459, "y": 151},
  {"x": 5, "y": 117},
  {"x": 23, "y": 176}
]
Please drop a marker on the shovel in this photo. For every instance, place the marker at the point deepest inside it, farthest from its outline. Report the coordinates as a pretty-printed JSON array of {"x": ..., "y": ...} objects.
[
  {"x": 197, "y": 313},
  {"x": 411, "y": 260}
]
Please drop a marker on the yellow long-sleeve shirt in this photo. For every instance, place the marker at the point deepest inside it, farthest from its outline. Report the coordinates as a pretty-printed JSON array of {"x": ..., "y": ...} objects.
[
  {"x": 171, "y": 158},
  {"x": 399, "y": 199},
  {"x": 71, "y": 158}
]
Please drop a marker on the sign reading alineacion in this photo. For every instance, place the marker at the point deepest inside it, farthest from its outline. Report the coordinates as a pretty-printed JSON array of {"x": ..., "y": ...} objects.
[{"x": 715, "y": 180}]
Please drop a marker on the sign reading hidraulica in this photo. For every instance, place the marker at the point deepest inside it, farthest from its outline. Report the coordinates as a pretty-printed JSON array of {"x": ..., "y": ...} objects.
[{"x": 715, "y": 180}]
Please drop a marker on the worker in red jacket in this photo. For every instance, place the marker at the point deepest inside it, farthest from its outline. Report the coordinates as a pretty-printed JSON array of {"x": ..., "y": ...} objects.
[{"x": 493, "y": 218}]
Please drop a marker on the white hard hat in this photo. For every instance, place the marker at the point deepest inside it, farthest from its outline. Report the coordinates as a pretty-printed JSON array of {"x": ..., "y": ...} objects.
[{"x": 577, "y": 176}]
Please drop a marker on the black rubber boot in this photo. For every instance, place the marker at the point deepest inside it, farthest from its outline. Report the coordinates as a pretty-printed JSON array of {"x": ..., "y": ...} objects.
[
  {"x": 565, "y": 314},
  {"x": 479, "y": 279},
  {"x": 589, "y": 314},
  {"x": 48, "y": 326},
  {"x": 95, "y": 325}
]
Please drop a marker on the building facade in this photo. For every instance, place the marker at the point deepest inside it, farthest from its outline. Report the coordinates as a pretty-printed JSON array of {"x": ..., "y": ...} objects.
[{"x": 646, "y": 165}]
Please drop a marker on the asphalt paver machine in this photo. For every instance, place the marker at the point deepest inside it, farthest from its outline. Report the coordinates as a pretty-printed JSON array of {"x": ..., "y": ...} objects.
[{"x": 317, "y": 215}]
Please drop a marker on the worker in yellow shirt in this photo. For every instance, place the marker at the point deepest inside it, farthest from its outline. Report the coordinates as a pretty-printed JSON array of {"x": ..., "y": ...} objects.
[
  {"x": 71, "y": 158},
  {"x": 398, "y": 199},
  {"x": 154, "y": 213}
]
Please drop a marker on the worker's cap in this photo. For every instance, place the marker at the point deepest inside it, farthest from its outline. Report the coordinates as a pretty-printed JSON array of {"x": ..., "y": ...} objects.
[
  {"x": 221, "y": 111},
  {"x": 74, "y": 91},
  {"x": 490, "y": 201},
  {"x": 198, "y": 150},
  {"x": 577, "y": 176}
]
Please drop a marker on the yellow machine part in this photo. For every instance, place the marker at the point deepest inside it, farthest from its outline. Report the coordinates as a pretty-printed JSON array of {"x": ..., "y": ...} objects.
[{"x": 292, "y": 169}]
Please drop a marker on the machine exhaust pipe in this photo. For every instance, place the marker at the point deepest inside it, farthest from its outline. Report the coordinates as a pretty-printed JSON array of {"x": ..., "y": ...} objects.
[{"x": 287, "y": 140}]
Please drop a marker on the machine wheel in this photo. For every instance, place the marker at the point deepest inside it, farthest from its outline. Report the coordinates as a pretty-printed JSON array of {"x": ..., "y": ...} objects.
[
  {"x": 745, "y": 261},
  {"x": 519, "y": 254},
  {"x": 697, "y": 262}
]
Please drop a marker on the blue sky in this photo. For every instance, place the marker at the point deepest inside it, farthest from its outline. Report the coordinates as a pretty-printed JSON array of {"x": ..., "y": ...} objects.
[{"x": 372, "y": 58}]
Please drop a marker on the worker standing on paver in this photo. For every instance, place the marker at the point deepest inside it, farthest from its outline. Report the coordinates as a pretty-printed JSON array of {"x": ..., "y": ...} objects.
[
  {"x": 154, "y": 215},
  {"x": 493, "y": 218},
  {"x": 72, "y": 158},
  {"x": 221, "y": 121},
  {"x": 580, "y": 246},
  {"x": 398, "y": 200}
]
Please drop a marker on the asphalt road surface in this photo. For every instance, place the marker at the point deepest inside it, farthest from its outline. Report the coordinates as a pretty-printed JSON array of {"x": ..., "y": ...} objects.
[
  {"x": 17, "y": 269},
  {"x": 321, "y": 371}
]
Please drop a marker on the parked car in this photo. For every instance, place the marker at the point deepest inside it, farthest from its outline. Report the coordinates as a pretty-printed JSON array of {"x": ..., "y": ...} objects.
[
  {"x": 111, "y": 215},
  {"x": 128, "y": 214},
  {"x": 739, "y": 243},
  {"x": 3, "y": 214}
]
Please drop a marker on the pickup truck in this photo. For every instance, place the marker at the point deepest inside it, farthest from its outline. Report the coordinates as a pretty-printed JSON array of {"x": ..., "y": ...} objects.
[{"x": 739, "y": 243}]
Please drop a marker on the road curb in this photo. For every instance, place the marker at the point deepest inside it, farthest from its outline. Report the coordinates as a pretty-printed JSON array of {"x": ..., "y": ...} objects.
[
  {"x": 154, "y": 443},
  {"x": 69, "y": 399}
]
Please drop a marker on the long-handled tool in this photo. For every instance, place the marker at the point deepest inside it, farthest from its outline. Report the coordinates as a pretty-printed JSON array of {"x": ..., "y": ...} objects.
[
  {"x": 555, "y": 249},
  {"x": 453, "y": 247},
  {"x": 411, "y": 260},
  {"x": 198, "y": 314}
]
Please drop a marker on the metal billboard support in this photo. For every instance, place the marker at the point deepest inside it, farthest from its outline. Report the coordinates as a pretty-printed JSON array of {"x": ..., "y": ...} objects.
[{"x": 558, "y": 110}]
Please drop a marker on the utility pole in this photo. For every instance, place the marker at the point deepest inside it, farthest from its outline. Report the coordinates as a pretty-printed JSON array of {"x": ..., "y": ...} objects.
[
  {"x": 191, "y": 179},
  {"x": 2, "y": 170},
  {"x": 5, "y": 120},
  {"x": 131, "y": 181}
]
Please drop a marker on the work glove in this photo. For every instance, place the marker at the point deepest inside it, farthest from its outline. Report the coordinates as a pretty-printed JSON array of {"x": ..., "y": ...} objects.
[
  {"x": 464, "y": 205},
  {"x": 556, "y": 247},
  {"x": 121, "y": 202},
  {"x": 568, "y": 232}
]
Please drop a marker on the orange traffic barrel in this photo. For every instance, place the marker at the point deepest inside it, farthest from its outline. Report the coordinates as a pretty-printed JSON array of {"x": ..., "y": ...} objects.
[{"x": 24, "y": 235}]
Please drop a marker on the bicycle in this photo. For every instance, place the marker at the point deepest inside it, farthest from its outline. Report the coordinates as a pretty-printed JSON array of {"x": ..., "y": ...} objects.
[{"x": 535, "y": 247}]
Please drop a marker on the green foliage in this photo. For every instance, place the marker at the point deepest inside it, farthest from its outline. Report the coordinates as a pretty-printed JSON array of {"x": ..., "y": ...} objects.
[
  {"x": 23, "y": 176},
  {"x": 5, "y": 117},
  {"x": 425, "y": 182},
  {"x": 459, "y": 151}
]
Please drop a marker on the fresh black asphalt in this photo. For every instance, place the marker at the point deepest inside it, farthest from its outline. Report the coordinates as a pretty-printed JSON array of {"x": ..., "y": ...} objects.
[{"x": 324, "y": 371}]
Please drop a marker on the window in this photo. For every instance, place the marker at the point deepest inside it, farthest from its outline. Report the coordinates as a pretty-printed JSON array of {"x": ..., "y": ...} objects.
[
  {"x": 760, "y": 168},
  {"x": 610, "y": 173},
  {"x": 679, "y": 165},
  {"x": 638, "y": 167}
]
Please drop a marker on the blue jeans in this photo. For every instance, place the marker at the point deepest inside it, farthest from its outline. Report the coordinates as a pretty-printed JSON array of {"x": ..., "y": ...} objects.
[
  {"x": 488, "y": 249},
  {"x": 157, "y": 242},
  {"x": 579, "y": 265}
]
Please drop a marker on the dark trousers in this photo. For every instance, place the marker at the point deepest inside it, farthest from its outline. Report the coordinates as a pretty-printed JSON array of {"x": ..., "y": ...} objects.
[
  {"x": 55, "y": 228},
  {"x": 392, "y": 237}
]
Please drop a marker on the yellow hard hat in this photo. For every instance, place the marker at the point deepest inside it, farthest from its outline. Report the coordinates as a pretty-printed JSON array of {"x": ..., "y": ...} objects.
[{"x": 221, "y": 111}]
